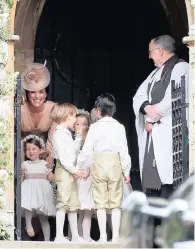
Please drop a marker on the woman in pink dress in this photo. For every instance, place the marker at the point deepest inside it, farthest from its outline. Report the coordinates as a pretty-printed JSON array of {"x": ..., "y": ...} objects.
[{"x": 35, "y": 111}]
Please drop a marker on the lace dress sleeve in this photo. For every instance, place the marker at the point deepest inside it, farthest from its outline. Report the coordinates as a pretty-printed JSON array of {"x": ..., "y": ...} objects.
[{"x": 77, "y": 144}]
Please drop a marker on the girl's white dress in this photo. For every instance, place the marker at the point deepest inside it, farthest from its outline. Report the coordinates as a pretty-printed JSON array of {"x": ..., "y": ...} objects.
[
  {"x": 36, "y": 192},
  {"x": 85, "y": 194},
  {"x": 85, "y": 191}
]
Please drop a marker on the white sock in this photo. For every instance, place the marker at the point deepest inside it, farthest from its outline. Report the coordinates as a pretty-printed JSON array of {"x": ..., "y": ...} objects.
[
  {"x": 45, "y": 227},
  {"x": 80, "y": 223},
  {"x": 101, "y": 216},
  {"x": 28, "y": 217},
  {"x": 60, "y": 217},
  {"x": 87, "y": 225},
  {"x": 72, "y": 217},
  {"x": 116, "y": 221}
]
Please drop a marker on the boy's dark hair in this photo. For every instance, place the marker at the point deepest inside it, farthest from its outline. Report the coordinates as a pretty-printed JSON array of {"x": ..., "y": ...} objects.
[{"x": 106, "y": 104}]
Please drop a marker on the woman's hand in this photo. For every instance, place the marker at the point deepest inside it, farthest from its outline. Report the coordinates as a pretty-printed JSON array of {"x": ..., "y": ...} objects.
[
  {"x": 50, "y": 162},
  {"x": 51, "y": 177}
]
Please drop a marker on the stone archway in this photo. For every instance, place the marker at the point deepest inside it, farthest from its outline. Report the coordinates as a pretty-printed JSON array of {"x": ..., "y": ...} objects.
[
  {"x": 27, "y": 16},
  {"x": 28, "y": 13},
  {"x": 180, "y": 14},
  {"x": 177, "y": 17}
]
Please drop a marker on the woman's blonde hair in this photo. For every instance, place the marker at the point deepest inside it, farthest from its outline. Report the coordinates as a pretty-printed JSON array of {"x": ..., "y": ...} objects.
[{"x": 60, "y": 112}]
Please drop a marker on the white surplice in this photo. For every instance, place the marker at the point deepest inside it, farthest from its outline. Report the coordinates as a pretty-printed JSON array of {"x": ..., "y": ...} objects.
[{"x": 161, "y": 133}]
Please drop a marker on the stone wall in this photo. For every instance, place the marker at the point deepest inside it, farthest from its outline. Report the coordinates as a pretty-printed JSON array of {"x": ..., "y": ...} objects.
[{"x": 7, "y": 87}]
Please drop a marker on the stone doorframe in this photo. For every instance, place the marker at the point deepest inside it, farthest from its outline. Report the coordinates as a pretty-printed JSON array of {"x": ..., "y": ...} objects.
[
  {"x": 26, "y": 16},
  {"x": 180, "y": 13},
  {"x": 190, "y": 42},
  {"x": 28, "y": 13}
]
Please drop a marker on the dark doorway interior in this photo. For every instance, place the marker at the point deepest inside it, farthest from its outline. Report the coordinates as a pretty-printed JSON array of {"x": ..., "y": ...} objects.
[{"x": 100, "y": 46}]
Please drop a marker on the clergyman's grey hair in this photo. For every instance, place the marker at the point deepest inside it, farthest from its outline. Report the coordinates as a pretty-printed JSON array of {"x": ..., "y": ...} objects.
[{"x": 166, "y": 42}]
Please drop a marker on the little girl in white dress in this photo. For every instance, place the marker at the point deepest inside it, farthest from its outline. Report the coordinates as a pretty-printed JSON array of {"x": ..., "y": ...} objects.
[
  {"x": 37, "y": 195},
  {"x": 81, "y": 126}
]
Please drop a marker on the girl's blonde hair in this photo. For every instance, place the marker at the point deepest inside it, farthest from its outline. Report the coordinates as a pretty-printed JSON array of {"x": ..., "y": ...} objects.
[{"x": 60, "y": 112}]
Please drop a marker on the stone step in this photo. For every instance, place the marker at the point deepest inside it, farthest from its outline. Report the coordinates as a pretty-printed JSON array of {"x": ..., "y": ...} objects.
[{"x": 45, "y": 245}]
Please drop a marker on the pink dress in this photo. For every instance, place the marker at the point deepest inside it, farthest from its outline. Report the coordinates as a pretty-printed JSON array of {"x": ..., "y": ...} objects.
[
  {"x": 42, "y": 128},
  {"x": 28, "y": 126}
]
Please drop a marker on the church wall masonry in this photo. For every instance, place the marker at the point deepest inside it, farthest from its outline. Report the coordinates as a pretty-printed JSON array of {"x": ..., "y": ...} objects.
[
  {"x": 7, "y": 87},
  {"x": 24, "y": 15}
]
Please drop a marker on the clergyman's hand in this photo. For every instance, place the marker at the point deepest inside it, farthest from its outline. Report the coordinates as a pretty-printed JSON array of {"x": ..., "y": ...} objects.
[
  {"x": 153, "y": 112},
  {"x": 148, "y": 127}
]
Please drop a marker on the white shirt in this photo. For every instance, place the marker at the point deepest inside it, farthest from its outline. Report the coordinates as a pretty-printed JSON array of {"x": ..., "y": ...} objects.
[
  {"x": 106, "y": 135},
  {"x": 65, "y": 149}
]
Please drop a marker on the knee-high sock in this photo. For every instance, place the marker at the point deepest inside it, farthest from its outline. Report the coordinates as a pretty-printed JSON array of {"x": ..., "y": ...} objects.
[
  {"x": 116, "y": 221},
  {"x": 87, "y": 225},
  {"x": 28, "y": 217},
  {"x": 80, "y": 223},
  {"x": 72, "y": 217},
  {"x": 101, "y": 216},
  {"x": 45, "y": 227},
  {"x": 60, "y": 217}
]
